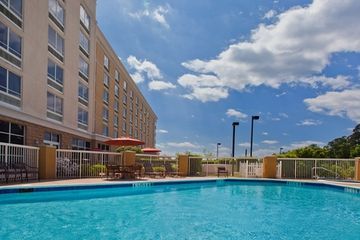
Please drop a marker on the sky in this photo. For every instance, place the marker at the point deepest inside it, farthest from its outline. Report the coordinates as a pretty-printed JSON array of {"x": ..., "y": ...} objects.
[{"x": 205, "y": 64}]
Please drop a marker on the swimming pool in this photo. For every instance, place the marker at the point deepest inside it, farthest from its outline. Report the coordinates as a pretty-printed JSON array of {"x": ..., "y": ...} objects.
[{"x": 226, "y": 209}]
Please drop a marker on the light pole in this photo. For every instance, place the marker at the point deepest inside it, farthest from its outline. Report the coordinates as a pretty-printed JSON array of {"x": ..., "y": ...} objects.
[
  {"x": 234, "y": 124},
  {"x": 217, "y": 150},
  {"x": 252, "y": 132},
  {"x": 281, "y": 150}
]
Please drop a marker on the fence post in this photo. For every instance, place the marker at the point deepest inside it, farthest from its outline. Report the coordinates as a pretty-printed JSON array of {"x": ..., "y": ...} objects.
[
  {"x": 295, "y": 169},
  {"x": 357, "y": 169},
  {"x": 80, "y": 164},
  {"x": 269, "y": 167},
  {"x": 315, "y": 168},
  {"x": 47, "y": 162},
  {"x": 183, "y": 165},
  {"x": 6, "y": 154}
]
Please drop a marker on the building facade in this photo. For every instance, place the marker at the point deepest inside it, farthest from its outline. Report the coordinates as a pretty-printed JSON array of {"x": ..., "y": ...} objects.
[{"x": 61, "y": 83}]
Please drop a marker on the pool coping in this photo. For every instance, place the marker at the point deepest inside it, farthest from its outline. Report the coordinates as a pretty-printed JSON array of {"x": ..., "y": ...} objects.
[{"x": 89, "y": 186}]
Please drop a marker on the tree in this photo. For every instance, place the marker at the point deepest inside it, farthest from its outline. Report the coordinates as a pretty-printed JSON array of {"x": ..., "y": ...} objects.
[
  {"x": 355, "y": 151},
  {"x": 354, "y": 138},
  {"x": 339, "y": 148}
]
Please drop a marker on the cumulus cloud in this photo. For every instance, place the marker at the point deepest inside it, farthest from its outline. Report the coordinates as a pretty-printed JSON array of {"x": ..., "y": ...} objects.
[
  {"x": 309, "y": 122},
  {"x": 162, "y": 131},
  {"x": 270, "y": 142},
  {"x": 344, "y": 104},
  {"x": 184, "y": 145},
  {"x": 304, "y": 144},
  {"x": 157, "y": 14},
  {"x": 270, "y": 14},
  {"x": 265, "y": 133},
  {"x": 160, "y": 85},
  {"x": 244, "y": 144},
  {"x": 234, "y": 113},
  {"x": 293, "y": 50}
]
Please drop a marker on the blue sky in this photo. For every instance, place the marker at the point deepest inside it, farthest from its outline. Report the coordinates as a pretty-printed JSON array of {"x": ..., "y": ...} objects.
[{"x": 204, "y": 64}]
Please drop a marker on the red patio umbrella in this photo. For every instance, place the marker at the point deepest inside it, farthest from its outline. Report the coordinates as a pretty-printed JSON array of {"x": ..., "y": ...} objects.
[
  {"x": 151, "y": 150},
  {"x": 124, "y": 141}
]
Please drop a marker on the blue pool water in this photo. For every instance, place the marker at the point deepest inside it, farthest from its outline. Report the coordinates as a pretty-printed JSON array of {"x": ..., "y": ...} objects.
[{"x": 212, "y": 210}]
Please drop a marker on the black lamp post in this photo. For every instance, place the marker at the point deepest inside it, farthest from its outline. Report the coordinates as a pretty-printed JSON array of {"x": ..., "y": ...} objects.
[
  {"x": 281, "y": 150},
  {"x": 234, "y": 124},
  {"x": 217, "y": 150},
  {"x": 252, "y": 132}
]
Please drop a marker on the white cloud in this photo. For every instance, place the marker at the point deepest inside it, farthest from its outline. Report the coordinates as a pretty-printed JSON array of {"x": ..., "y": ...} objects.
[
  {"x": 137, "y": 77},
  {"x": 144, "y": 67},
  {"x": 160, "y": 85},
  {"x": 294, "y": 50},
  {"x": 244, "y": 144},
  {"x": 304, "y": 144},
  {"x": 309, "y": 122},
  {"x": 184, "y": 145},
  {"x": 162, "y": 131},
  {"x": 234, "y": 113},
  {"x": 281, "y": 94},
  {"x": 284, "y": 115},
  {"x": 276, "y": 119},
  {"x": 265, "y": 133},
  {"x": 270, "y": 142},
  {"x": 156, "y": 14},
  {"x": 344, "y": 104},
  {"x": 270, "y": 14}
]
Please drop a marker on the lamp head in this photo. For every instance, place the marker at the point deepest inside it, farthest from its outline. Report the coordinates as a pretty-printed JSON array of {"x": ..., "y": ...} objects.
[
  {"x": 218, "y": 144},
  {"x": 235, "y": 123},
  {"x": 255, "y": 117}
]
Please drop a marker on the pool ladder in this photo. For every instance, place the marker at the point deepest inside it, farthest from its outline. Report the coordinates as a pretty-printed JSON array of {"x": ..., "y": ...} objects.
[{"x": 314, "y": 173}]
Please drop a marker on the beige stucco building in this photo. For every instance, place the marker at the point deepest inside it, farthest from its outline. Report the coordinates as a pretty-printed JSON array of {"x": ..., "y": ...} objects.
[{"x": 61, "y": 83}]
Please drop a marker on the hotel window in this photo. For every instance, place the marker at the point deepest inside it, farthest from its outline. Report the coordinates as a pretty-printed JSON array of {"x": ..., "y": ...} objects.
[
  {"x": 116, "y": 76},
  {"x": 12, "y": 133},
  {"x": 131, "y": 94},
  {"x": 137, "y": 101},
  {"x": 116, "y": 105},
  {"x": 106, "y": 80},
  {"x": 10, "y": 83},
  {"x": 116, "y": 120},
  {"x": 131, "y": 105},
  {"x": 130, "y": 130},
  {"x": 84, "y": 43},
  {"x": 116, "y": 133},
  {"x": 57, "y": 11},
  {"x": 124, "y": 99},
  {"x": 136, "y": 122},
  {"x": 131, "y": 118},
  {"x": 106, "y": 96},
  {"x": 83, "y": 67},
  {"x": 105, "y": 130},
  {"x": 79, "y": 144},
  {"x": 55, "y": 74},
  {"x": 54, "y": 107},
  {"x": 124, "y": 113},
  {"x": 14, "y": 6},
  {"x": 140, "y": 116},
  {"x": 84, "y": 18},
  {"x": 136, "y": 133},
  {"x": 136, "y": 111},
  {"x": 83, "y": 92},
  {"x": 52, "y": 139},
  {"x": 10, "y": 41},
  {"x": 56, "y": 41},
  {"x": 105, "y": 114},
  {"x": 124, "y": 127},
  {"x": 106, "y": 62},
  {"x": 125, "y": 86},
  {"x": 116, "y": 89},
  {"x": 82, "y": 116}
]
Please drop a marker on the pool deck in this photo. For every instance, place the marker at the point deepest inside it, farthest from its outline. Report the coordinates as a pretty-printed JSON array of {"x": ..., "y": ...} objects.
[{"x": 104, "y": 181}]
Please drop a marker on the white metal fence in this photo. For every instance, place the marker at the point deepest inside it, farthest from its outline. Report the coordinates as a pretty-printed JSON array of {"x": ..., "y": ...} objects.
[
  {"x": 12, "y": 154},
  {"x": 157, "y": 160},
  {"x": 309, "y": 168},
  {"x": 82, "y": 164}
]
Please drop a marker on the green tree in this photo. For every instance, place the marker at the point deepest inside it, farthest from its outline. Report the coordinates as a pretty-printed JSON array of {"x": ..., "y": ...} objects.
[
  {"x": 339, "y": 148},
  {"x": 128, "y": 148},
  {"x": 355, "y": 151}
]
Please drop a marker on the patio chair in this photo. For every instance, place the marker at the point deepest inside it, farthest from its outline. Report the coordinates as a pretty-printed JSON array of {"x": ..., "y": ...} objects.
[
  {"x": 222, "y": 170},
  {"x": 24, "y": 171},
  {"x": 113, "y": 170},
  {"x": 4, "y": 172},
  {"x": 149, "y": 171},
  {"x": 169, "y": 171}
]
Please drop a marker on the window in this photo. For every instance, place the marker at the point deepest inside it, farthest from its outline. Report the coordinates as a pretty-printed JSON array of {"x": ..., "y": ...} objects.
[
  {"x": 124, "y": 99},
  {"x": 105, "y": 130},
  {"x": 52, "y": 139},
  {"x": 84, "y": 67},
  {"x": 106, "y": 62},
  {"x": 82, "y": 116},
  {"x": 131, "y": 118},
  {"x": 136, "y": 111},
  {"x": 12, "y": 133},
  {"x": 124, "y": 113},
  {"x": 10, "y": 83},
  {"x": 116, "y": 105},
  {"x": 10, "y": 41},
  {"x": 124, "y": 127},
  {"x": 136, "y": 133},
  {"x": 106, "y": 96},
  {"x": 84, "y": 42},
  {"x": 116, "y": 134},
  {"x": 125, "y": 86},
  {"x": 84, "y": 18},
  {"x": 116, "y": 120},
  {"x": 116, "y": 90},
  {"x": 57, "y": 11},
  {"x": 131, "y": 94},
  {"x": 131, "y": 105},
  {"x": 83, "y": 91},
  {"x": 56, "y": 41},
  {"x": 105, "y": 114},
  {"x": 14, "y": 5},
  {"x": 55, "y": 72},
  {"x": 54, "y": 104},
  {"x": 130, "y": 130},
  {"x": 116, "y": 75},
  {"x": 137, "y": 101},
  {"x": 79, "y": 144},
  {"x": 106, "y": 80}
]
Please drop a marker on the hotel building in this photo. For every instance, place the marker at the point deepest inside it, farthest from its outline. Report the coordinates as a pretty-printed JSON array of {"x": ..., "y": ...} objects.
[{"x": 61, "y": 83}]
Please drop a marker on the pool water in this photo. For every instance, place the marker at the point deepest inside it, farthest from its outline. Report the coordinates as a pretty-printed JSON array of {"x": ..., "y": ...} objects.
[{"x": 225, "y": 210}]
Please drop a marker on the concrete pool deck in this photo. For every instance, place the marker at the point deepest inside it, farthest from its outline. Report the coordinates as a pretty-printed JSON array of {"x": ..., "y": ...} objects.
[{"x": 100, "y": 181}]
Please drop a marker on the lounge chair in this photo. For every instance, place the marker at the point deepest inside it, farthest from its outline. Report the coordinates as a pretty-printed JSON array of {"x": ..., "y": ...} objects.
[
  {"x": 222, "y": 170},
  {"x": 4, "y": 172},
  {"x": 149, "y": 171},
  {"x": 24, "y": 171},
  {"x": 169, "y": 171}
]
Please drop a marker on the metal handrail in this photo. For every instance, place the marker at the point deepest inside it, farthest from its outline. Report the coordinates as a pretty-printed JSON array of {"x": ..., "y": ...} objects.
[{"x": 327, "y": 170}]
